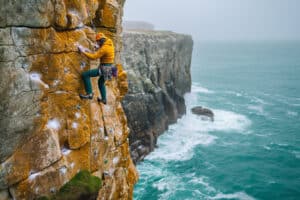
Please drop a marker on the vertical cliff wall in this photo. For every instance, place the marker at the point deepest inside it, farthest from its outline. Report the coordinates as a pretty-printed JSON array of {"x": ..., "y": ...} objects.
[
  {"x": 47, "y": 134},
  {"x": 158, "y": 65}
]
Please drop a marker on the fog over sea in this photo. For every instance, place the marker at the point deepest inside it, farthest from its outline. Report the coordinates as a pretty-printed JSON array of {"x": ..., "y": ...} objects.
[{"x": 252, "y": 149}]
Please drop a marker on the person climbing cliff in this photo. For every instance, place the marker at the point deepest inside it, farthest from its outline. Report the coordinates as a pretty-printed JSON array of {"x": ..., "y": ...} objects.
[{"x": 106, "y": 54}]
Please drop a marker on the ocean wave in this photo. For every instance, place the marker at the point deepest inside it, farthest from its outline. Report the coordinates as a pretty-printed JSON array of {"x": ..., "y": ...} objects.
[
  {"x": 258, "y": 110},
  {"x": 296, "y": 154},
  {"x": 169, "y": 184},
  {"x": 190, "y": 131},
  {"x": 202, "y": 181},
  {"x": 291, "y": 113},
  {"x": 179, "y": 146},
  {"x": 237, "y": 195},
  {"x": 290, "y": 101},
  {"x": 266, "y": 147},
  {"x": 199, "y": 89},
  {"x": 259, "y": 100},
  {"x": 279, "y": 144},
  {"x": 237, "y": 94},
  {"x": 227, "y": 121}
]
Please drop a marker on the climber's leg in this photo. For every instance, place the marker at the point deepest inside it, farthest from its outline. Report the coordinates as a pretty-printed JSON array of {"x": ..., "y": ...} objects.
[
  {"x": 87, "y": 83},
  {"x": 101, "y": 85}
]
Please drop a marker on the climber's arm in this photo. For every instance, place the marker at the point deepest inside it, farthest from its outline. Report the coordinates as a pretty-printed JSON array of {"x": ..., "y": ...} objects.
[{"x": 98, "y": 54}]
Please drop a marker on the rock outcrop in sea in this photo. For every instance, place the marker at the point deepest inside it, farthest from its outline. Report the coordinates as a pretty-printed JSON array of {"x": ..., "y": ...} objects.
[
  {"x": 158, "y": 66},
  {"x": 204, "y": 112},
  {"x": 47, "y": 133}
]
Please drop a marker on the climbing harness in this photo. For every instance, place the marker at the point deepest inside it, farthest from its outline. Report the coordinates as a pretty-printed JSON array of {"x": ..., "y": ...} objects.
[{"x": 105, "y": 70}]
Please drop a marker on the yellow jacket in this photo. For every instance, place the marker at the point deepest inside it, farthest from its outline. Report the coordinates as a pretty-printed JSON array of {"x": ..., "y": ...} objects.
[{"x": 106, "y": 53}]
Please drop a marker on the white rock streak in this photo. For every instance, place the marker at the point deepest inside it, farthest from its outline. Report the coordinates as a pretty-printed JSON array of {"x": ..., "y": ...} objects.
[
  {"x": 53, "y": 124},
  {"x": 35, "y": 77}
]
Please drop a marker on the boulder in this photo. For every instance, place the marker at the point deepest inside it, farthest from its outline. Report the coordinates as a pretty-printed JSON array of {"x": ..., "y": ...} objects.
[{"x": 203, "y": 112}]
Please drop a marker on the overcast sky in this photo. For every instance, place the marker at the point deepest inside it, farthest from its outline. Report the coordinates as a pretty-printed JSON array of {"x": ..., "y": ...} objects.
[{"x": 221, "y": 19}]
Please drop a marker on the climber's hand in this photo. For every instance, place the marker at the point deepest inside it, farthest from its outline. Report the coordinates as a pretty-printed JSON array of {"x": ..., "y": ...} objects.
[
  {"x": 80, "y": 48},
  {"x": 96, "y": 46}
]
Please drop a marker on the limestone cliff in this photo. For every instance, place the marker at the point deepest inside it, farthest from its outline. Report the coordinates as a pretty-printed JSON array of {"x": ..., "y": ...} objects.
[
  {"x": 47, "y": 134},
  {"x": 158, "y": 66}
]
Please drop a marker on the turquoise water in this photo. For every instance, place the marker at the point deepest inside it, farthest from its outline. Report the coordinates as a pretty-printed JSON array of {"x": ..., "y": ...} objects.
[{"x": 252, "y": 149}]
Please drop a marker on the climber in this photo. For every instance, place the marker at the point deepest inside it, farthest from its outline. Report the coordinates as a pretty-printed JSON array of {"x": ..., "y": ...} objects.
[{"x": 106, "y": 54}]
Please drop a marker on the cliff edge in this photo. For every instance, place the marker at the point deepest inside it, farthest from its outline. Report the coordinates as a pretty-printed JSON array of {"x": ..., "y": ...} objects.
[
  {"x": 158, "y": 66},
  {"x": 47, "y": 133}
]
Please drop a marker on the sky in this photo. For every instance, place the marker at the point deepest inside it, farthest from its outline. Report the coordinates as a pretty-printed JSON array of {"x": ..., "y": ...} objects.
[{"x": 221, "y": 19}]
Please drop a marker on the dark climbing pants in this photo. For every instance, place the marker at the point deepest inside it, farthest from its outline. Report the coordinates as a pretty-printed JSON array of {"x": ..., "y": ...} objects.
[{"x": 88, "y": 85}]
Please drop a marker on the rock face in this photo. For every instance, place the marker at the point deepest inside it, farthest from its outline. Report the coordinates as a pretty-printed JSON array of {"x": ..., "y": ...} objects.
[
  {"x": 158, "y": 66},
  {"x": 203, "y": 112},
  {"x": 47, "y": 134}
]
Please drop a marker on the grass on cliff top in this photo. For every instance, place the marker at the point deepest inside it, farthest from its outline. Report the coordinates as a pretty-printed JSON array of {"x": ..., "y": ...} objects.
[{"x": 83, "y": 186}]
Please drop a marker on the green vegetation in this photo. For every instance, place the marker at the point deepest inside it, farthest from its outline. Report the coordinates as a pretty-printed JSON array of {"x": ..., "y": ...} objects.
[{"x": 83, "y": 186}]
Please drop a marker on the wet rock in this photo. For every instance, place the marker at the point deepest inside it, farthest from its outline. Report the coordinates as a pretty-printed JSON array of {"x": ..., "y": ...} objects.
[{"x": 203, "y": 112}]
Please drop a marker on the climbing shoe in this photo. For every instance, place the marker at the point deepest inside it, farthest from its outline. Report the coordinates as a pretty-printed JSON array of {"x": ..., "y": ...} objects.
[
  {"x": 86, "y": 96},
  {"x": 101, "y": 100}
]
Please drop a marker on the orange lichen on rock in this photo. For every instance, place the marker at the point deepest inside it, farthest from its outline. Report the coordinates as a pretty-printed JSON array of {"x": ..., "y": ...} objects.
[
  {"x": 122, "y": 81},
  {"x": 62, "y": 134}
]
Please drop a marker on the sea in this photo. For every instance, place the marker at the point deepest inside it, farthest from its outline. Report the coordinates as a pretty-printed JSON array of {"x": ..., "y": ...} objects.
[{"x": 252, "y": 149}]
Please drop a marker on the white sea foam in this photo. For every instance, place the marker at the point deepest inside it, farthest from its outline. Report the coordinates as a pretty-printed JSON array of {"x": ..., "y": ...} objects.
[
  {"x": 296, "y": 154},
  {"x": 180, "y": 148},
  {"x": 53, "y": 124},
  {"x": 200, "y": 89},
  {"x": 291, "y": 113},
  {"x": 180, "y": 140},
  {"x": 228, "y": 121},
  {"x": 267, "y": 147},
  {"x": 238, "y": 94},
  {"x": 168, "y": 185},
  {"x": 237, "y": 195},
  {"x": 259, "y": 109},
  {"x": 202, "y": 180},
  {"x": 259, "y": 101},
  {"x": 178, "y": 144}
]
